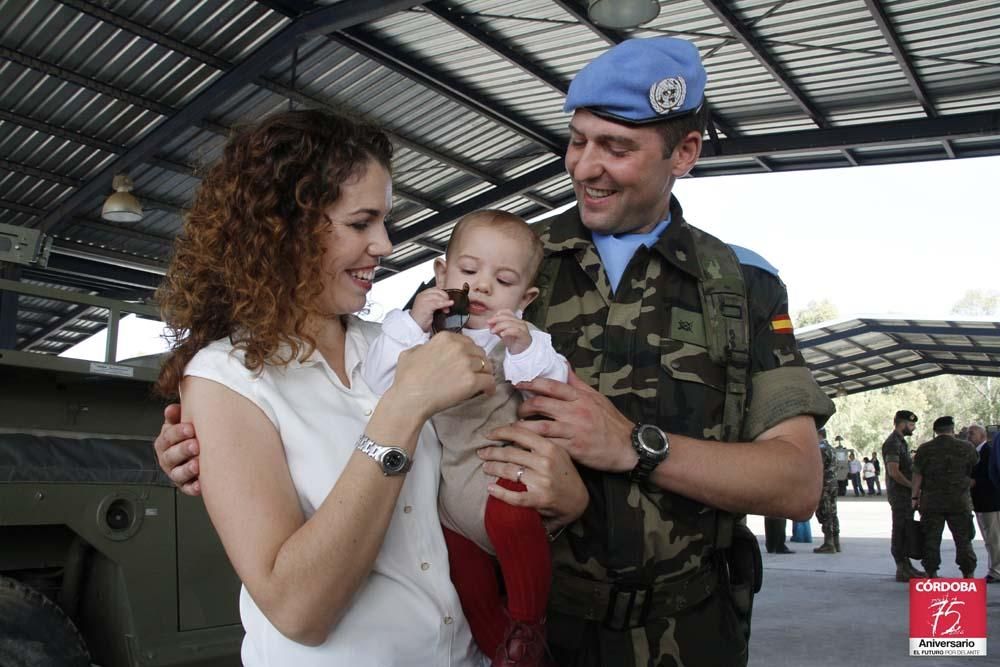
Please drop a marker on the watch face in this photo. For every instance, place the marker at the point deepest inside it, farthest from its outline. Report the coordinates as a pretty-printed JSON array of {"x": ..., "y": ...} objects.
[
  {"x": 652, "y": 440},
  {"x": 393, "y": 461}
]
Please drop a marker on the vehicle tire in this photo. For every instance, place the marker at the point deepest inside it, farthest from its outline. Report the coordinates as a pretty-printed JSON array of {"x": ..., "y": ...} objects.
[{"x": 34, "y": 631}]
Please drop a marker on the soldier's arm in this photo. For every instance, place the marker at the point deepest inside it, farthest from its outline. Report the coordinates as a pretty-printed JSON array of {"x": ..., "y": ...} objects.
[
  {"x": 892, "y": 469},
  {"x": 177, "y": 451},
  {"x": 775, "y": 471}
]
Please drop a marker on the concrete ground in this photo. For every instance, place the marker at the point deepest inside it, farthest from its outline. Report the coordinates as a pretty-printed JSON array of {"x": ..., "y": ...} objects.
[{"x": 847, "y": 608}]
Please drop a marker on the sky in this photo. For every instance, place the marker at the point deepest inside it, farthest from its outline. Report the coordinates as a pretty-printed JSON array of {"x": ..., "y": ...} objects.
[{"x": 908, "y": 239}]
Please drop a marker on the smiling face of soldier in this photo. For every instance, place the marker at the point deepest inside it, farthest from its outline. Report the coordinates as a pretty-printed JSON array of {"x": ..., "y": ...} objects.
[{"x": 621, "y": 178}]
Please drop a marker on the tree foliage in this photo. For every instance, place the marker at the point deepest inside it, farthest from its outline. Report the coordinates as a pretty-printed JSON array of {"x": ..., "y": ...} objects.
[
  {"x": 865, "y": 419},
  {"x": 978, "y": 302},
  {"x": 816, "y": 312}
]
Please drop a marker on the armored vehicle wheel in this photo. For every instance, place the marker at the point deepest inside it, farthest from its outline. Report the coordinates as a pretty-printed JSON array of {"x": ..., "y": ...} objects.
[{"x": 34, "y": 632}]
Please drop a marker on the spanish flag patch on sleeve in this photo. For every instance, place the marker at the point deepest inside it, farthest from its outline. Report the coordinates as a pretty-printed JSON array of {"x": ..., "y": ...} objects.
[{"x": 781, "y": 324}]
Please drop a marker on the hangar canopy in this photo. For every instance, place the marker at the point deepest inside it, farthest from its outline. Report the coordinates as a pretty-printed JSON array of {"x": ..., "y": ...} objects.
[
  {"x": 470, "y": 90},
  {"x": 855, "y": 355}
]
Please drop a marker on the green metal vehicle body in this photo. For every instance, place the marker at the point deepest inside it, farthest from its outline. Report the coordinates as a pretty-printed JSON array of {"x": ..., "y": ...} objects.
[{"x": 89, "y": 521}]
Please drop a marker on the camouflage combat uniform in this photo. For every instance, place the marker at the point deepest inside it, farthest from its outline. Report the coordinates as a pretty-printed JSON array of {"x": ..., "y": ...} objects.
[
  {"x": 946, "y": 464},
  {"x": 644, "y": 347},
  {"x": 826, "y": 512},
  {"x": 895, "y": 450}
]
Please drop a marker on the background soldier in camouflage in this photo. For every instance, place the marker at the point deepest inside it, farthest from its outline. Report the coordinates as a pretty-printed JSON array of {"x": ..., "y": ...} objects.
[
  {"x": 826, "y": 512},
  {"x": 942, "y": 473},
  {"x": 653, "y": 573},
  {"x": 898, "y": 470}
]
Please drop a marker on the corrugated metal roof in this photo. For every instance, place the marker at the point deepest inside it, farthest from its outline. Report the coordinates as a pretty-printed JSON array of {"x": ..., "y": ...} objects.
[
  {"x": 856, "y": 355},
  {"x": 470, "y": 90}
]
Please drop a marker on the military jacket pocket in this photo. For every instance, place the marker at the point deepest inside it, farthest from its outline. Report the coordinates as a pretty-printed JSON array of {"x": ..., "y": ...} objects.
[{"x": 687, "y": 362}]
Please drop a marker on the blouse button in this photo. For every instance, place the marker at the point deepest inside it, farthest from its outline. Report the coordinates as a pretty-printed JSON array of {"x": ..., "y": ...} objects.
[
  {"x": 425, "y": 566},
  {"x": 407, "y": 509},
  {"x": 448, "y": 620},
  {"x": 368, "y": 412}
]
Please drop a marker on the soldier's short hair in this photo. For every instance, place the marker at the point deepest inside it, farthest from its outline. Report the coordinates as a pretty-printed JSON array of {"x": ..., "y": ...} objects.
[{"x": 944, "y": 425}]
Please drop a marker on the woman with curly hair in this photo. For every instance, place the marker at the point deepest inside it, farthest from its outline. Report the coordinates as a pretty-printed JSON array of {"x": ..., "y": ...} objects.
[{"x": 305, "y": 473}]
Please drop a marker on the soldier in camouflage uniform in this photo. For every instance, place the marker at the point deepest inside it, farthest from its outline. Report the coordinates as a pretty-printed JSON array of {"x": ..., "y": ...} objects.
[
  {"x": 654, "y": 573},
  {"x": 898, "y": 487},
  {"x": 942, "y": 472},
  {"x": 826, "y": 512}
]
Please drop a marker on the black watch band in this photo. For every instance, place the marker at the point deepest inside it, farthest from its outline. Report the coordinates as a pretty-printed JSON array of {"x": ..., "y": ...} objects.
[{"x": 652, "y": 446}]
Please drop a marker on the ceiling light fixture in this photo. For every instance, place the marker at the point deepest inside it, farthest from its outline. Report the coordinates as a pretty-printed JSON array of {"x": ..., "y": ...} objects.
[
  {"x": 121, "y": 205},
  {"x": 623, "y": 13}
]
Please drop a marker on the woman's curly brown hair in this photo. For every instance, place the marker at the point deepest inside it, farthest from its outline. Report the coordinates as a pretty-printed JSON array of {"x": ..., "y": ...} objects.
[{"x": 247, "y": 263}]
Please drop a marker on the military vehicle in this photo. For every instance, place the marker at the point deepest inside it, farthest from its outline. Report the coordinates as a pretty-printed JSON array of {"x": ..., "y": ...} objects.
[{"x": 102, "y": 560}]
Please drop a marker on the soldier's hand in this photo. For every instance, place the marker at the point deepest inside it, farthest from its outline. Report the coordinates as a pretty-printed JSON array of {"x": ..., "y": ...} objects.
[
  {"x": 177, "y": 451},
  {"x": 581, "y": 421}
]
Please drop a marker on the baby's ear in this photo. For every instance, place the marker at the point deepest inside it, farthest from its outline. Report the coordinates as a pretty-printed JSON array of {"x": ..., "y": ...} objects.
[
  {"x": 440, "y": 272},
  {"x": 530, "y": 295}
]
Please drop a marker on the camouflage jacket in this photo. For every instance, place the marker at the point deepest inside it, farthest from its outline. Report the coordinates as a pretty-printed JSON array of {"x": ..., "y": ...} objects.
[
  {"x": 829, "y": 466},
  {"x": 644, "y": 347},
  {"x": 895, "y": 450},
  {"x": 946, "y": 464}
]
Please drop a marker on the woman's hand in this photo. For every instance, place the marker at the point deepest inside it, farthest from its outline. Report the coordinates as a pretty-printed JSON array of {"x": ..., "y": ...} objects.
[
  {"x": 439, "y": 374},
  {"x": 554, "y": 487}
]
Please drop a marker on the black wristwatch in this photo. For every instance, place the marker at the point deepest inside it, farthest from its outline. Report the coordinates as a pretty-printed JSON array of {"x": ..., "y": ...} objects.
[
  {"x": 392, "y": 460},
  {"x": 652, "y": 446}
]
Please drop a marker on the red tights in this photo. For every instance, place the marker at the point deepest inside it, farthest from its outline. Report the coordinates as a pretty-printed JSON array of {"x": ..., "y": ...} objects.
[{"x": 522, "y": 548}]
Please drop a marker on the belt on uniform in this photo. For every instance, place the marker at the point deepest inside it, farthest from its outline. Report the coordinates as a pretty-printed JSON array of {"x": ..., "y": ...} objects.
[{"x": 620, "y": 607}]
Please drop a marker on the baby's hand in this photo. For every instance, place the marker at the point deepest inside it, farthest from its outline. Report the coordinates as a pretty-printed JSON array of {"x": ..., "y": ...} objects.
[
  {"x": 424, "y": 305},
  {"x": 512, "y": 330}
]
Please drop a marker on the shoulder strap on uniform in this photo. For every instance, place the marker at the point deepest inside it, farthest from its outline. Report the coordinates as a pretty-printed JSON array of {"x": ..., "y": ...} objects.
[
  {"x": 727, "y": 333},
  {"x": 727, "y": 324}
]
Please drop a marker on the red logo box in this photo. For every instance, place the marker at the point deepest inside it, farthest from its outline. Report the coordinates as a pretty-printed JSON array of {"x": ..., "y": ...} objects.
[{"x": 947, "y": 617}]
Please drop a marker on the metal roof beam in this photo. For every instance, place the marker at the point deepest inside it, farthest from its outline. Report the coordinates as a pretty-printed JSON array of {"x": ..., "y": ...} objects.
[
  {"x": 454, "y": 17},
  {"x": 902, "y": 347},
  {"x": 891, "y": 38},
  {"x": 868, "y": 327},
  {"x": 910, "y": 131},
  {"x": 273, "y": 85},
  {"x": 742, "y": 32},
  {"x": 335, "y": 17},
  {"x": 378, "y": 50},
  {"x": 92, "y": 142},
  {"x": 98, "y": 276},
  {"x": 65, "y": 319},
  {"x": 53, "y": 70}
]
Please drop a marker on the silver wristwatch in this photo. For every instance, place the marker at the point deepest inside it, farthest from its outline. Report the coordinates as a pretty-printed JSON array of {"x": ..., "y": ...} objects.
[
  {"x": 392, "y": 460},
  {"x": 653, "y": 446}
]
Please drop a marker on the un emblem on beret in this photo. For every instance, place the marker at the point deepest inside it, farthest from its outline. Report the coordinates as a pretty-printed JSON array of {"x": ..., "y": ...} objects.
[{"x": 667, "y": 95}]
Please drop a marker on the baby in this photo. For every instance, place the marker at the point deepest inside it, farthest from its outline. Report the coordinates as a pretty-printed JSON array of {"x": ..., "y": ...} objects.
[{"x": 497, "y": 254}]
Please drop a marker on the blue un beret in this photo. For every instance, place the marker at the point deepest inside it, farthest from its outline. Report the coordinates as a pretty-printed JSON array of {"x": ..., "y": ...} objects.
[{"x": 641, "y": 81}]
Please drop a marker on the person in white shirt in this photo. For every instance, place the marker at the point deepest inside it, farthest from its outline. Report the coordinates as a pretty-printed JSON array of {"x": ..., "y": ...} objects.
[
  {"x": 868, "y": 472},
  {"x": 495, "y": 256},
  {"x": 323, "y": 494}
]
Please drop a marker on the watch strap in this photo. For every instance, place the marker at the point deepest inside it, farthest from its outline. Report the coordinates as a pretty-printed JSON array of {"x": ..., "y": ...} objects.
[{"x": 647, "y": 463}]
